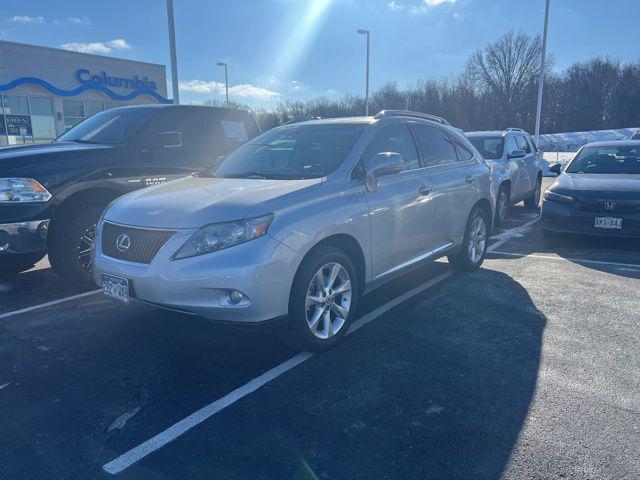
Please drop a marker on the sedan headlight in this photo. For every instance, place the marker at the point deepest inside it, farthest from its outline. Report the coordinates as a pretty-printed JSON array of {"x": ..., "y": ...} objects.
[
  {"x": 218, "y": 236},
  {"x": 15, "y": 190},
  {"x": 557, "y": 197}
]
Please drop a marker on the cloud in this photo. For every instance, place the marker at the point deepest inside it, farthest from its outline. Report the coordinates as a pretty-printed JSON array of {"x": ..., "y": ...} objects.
[
  {"x": 416, "y": 8},
  {"x": 78, "y": 20},
  {"x": 297, "y": 86},
  {"x": 97, "y": 47},
  {"x": 245, "y": 90},
  {"x": 26, "y": 19}
]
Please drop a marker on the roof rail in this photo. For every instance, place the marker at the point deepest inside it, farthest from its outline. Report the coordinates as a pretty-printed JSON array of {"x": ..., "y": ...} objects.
[
  {"x": 301, "y": 119},
  {"x": 514, "y": 129},
  {"x": 408, "y": 113}
]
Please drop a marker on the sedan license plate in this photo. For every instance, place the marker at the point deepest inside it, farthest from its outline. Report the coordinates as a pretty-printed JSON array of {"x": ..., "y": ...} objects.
[
  {"x": 115, "y": 287},
  {"x": 608, "y": 223}
]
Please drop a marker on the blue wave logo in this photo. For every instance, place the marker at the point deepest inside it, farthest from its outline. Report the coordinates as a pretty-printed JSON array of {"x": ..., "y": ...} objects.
[{"x": 82, "y": 88}]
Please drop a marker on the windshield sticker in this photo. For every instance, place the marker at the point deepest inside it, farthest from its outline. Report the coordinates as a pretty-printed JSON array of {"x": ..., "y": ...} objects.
[{"x": 234, "y": 131}]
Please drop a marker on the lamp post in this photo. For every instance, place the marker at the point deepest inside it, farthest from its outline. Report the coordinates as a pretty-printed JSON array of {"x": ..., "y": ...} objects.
[
  {"x": 226, "y": 80},
  {"x": 172, "y": 49},
  {"x": 542, "y": 68},
  {"x": 366, "y": 98}
]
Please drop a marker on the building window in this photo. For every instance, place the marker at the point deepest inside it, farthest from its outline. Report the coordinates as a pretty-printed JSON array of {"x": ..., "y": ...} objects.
[
  {"x": 73, "y": 112},
  {"x": 42, "y": 119},
  {"x": 91, "y": 107},
  {"x": 15, "y": 124}
]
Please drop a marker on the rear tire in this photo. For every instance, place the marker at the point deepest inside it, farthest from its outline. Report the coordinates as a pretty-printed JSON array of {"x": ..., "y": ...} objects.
[
  {"x": 503, "y": 204},
  {"x": 475, "y": 243},
  {"x": 533, "y": 202},
  {"x": 323, "y": 302},
  {"x": 70, "y": 245}
]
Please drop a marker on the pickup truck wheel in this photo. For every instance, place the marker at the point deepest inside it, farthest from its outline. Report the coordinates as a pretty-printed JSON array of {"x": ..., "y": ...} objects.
[
  {"x": 475, "y": 243},
  {"x": 70, "y": 246},
  {"x": 14, "y": 264},
  {"x": 533, "y": 202},
  {"x": 323, "y": 300}
]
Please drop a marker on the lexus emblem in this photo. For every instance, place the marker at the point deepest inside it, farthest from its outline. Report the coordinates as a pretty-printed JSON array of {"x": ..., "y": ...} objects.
[
  {"x": 609, "y": 205},
  {"x": 123, "y": 242}
]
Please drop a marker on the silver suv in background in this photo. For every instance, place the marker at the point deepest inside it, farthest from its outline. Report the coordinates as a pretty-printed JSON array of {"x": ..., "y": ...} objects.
[
  {"x": 298, "y": 223},
  {"x": 516, "y": 168}
]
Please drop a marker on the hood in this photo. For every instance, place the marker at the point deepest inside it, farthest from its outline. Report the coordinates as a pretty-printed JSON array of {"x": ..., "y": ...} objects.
[
  {"x": 599, "y": 182},
  {"x": 24, "y": 156},
  {"x": 192, "y": 202}
]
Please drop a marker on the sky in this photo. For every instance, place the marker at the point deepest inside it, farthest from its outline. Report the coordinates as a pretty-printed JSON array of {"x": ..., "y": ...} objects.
[{"x": 279, "y": 50}]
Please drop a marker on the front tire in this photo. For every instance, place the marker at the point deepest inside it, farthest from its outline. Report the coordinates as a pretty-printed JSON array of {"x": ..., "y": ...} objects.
[
  {"x": 475, "y": 243},
  {"x": 70, "y": 246},
  {"x": 323, "y": 302}
]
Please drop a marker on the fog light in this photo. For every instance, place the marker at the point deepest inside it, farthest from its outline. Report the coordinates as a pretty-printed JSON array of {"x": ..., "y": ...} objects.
[{"x": 235, "y": 296}]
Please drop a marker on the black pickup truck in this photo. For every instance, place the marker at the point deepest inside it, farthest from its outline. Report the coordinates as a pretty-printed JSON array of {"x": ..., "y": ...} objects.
[{"x": 51, "y": 195}]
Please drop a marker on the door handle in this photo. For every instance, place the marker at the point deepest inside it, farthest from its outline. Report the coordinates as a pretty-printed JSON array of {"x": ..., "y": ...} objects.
[
  {"x": 425, "y": 189},
  {"x": 469, "y": 178}
]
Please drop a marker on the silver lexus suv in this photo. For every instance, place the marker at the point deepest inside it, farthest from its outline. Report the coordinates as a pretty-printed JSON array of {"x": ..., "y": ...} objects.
[{"x": 299, "y": 223}]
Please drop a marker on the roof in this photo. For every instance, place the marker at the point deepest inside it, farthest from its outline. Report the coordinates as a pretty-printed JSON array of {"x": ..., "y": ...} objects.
[
  {"x": 492, "y": 133},
  {"x": 336, "y": 121}
]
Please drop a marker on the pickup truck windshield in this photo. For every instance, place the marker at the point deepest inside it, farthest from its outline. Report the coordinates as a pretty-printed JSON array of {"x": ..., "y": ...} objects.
[
  {"x": 112, "y": 127},
  {"x": 293, "y": 152}
]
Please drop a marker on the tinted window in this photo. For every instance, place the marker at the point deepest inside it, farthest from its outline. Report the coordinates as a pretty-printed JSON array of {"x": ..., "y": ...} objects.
[
  {"x": 111, "y": 127},
  {"x": 397, "y": 139},
  {"x": 489, "y": 147},
  {"x": 523, "y": 144},
  {"x": 187, "y": 122},
  {"x": 435, "y": 145},
  {"x": 512, "y": 146},
  {"x": 296, "y": 151},
  {"x": 607, "y": 160}
]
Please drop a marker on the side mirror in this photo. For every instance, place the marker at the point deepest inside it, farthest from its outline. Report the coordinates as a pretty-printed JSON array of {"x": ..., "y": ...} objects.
[
  {"x": 163, "y": 140},
  {"x": 555, "y": 168},
  {"x": 517, "y": 154},
  {"x": 381, "y": 164}
]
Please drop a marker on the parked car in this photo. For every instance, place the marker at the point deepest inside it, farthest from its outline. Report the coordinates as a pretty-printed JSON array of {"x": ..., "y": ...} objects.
[
  {"x": 598, "y": 192},
  {"x": 51, "y": 195},
  {"x": 297, "y": 224},
  {"x": 516, "y": 167}
]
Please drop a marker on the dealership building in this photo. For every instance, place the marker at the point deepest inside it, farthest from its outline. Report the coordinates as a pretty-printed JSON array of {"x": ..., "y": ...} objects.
[{"x": 45, "y": 91}]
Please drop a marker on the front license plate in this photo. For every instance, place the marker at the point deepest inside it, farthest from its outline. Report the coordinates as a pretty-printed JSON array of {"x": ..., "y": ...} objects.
[
  {"x": 115, "y": 287},
  {"x": 608, "y": 223}
]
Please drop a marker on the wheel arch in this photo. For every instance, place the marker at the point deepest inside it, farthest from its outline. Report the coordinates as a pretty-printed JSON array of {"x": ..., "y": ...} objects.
[{"x": 485, "y": 205}]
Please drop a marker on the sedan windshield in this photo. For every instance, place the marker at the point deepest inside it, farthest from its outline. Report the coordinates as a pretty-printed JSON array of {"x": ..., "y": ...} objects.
[
  {"x": 489, "y": 147},
  {"x": 112, "y": 127},
  {"x": 607, "y": 160},
  {"x": 293, "y": 152}
]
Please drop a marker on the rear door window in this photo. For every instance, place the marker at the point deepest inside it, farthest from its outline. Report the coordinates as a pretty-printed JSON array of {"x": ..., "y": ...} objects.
[
  {"x": 435, "y": 146},
  {"x": 464, "y": 154}
]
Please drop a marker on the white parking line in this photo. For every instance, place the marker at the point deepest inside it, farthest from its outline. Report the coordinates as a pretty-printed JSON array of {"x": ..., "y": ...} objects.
[
  {"x": 566, "y": 259},
  {"x": 48, "y": 304},
  {"x": 178, "y": 429}
]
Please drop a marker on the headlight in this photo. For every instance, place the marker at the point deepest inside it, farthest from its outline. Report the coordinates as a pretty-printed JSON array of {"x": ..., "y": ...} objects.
[
  {"x": 557, "y": 197},
  {"x": 217, "y": 236},
  {"x": 14, "y": 190}
]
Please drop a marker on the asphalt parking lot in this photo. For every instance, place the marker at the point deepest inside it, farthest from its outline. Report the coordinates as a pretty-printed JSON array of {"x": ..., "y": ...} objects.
[{"x": 528, "y": 368}]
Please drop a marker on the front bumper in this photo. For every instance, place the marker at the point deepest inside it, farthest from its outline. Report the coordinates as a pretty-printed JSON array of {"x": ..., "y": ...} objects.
[
  {"x": 23, "y": 237},
  {"x": 567, "y": 218},
  {"x": 262, "y": 270}
]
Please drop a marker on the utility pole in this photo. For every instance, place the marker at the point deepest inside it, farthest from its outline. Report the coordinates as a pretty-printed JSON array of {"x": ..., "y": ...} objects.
[
  {"x": 172, "y": 48},
  {"x": 542, "y": 69},
  {"x": 366, "y": 98},
  {"x": 226, "y": 80}
]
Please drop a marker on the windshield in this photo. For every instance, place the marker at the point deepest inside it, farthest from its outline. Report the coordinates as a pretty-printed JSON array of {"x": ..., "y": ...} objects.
[
  {"x": 490, "y": 148},
  {"x": 293, "y": 152},
  {"x": 111, "y": 127},
  {"x": 607, "y": 160}
]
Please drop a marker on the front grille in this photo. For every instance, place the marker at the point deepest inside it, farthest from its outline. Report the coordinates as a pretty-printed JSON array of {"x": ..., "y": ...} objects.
[
  {"x": 619, "y": 206},
  {"x": 143, "y": 243}
]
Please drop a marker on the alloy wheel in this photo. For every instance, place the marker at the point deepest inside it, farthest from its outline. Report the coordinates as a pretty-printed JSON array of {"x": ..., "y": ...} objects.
[
  {"x": 477, "y": 239},
  {"x": 328, "y": 300},
  {"x": 85, "y": 243}
]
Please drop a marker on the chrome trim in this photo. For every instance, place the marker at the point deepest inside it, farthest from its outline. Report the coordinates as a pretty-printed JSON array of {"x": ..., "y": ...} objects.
[{"x": 410, "y": 262}]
